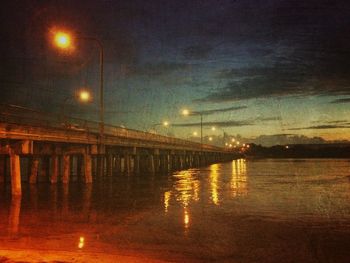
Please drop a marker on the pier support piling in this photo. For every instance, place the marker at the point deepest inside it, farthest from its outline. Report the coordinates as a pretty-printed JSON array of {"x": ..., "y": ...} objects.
[
  {"x": 66, "y": 169},
  {"x": 54, "y": 169},
  {"x": 15, "y": 170},
  {"x": 87, "y": 168}
]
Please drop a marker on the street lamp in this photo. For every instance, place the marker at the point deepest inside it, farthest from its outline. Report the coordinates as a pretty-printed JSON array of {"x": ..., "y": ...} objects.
[
  {"x": 82, "y": 95},
  {"x": 164, "y": 124},
  {"x": 186, "y": 112},
  {"x": 213, "y": 128},
  {"x": 63, "y": 40}
]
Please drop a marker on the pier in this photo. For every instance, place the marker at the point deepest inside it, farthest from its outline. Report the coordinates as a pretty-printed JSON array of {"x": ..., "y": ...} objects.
[{"x": 38, "y": 146}]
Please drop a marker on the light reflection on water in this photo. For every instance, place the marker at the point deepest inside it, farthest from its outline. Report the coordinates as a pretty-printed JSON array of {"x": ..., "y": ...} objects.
[{"x": 235, "y": 207}]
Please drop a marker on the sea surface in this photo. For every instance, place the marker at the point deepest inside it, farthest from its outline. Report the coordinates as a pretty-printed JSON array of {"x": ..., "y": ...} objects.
[{"x": 265, "y": 210}]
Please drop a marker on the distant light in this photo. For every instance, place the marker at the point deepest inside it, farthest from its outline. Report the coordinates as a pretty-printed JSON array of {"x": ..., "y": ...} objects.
[
  {"x": 237, "y": 142},
  {"x": 230, "y": 145},
  {"x": 248, "y": 145},
  {"x": 226, "y": 144},
  {"x": 165, "y": 123},
  {"x": 185, "y": 112},
  {"x": 62, "y": 40},
  {"x": 84, "y": 96},
  {"x": 243, "y": 144},
  {"x": 81, "y": 242},
  {"x": 195, "y": 133},
  {"x": 213, "y": 128},
  {"x": 210, "y": 138},
  {"x": 186, "y": 218},
  {"x": 287, "y": 147},
  {"x": 233, "y": 140},
  {"x": 167, "y": 196}
]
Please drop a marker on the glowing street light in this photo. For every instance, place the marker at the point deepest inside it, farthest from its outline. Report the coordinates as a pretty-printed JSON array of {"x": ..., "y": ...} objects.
[
  {"x": 210, "y": 138},
  {"x": 84, "y": 96},
  {"x": 186, "y": 112},
  {"x": 63, "y": 40},
  {"x": 165, "y": 124},
  {"x": 213, "y": 128},
  {"x": 195, "y": 133},
  {"x": 237, "y": 142},
  {"x": 233, "y": 140}
]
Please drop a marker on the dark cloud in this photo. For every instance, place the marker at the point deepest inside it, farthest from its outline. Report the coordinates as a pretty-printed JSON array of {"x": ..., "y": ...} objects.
[
  {"x": 263, "y": 119},
  {"x": 283, "y": 79},
  {"x": 321, "y": 127},
  {"x": 155, "y": 69},
  {"x": 345, "y": 100},
  {"x": 214, "y": 111},
  {"x": 283, "y": 139},
  {"x": 197, "y": 51},
  {"x": 229, "y": 123},
  {"x": 216, "y": 123},
  {"x": 308, "y": 42}
]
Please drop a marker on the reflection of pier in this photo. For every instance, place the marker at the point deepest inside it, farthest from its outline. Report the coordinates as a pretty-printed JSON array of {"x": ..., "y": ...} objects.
[
  {"x": 59, "y": 152},
  {"x": 14, "y": 215}
]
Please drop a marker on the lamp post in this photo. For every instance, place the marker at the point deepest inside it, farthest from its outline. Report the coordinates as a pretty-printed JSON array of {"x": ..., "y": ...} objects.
[
  {"x": 186, "y": 112},
  {"x": 164, "y": 124},
  {"x": 63, "y": 40},
  {"x": 83, "y": 96},
  {"x": 214, "y": 128}
]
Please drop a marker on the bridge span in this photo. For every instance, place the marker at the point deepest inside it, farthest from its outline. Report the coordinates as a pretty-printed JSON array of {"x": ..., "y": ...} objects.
[{"x": 54, "y": 148}]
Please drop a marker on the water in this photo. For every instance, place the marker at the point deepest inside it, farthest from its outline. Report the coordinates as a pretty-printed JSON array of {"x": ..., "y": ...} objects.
[{"x": 269, "y": 210}]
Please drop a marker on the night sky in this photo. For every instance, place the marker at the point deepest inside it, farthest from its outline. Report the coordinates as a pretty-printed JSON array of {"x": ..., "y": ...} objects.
[{"x": 262, "y": 69}]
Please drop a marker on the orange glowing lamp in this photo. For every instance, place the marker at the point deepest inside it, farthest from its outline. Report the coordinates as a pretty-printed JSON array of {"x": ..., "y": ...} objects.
[{"x": 63, "y": 39}]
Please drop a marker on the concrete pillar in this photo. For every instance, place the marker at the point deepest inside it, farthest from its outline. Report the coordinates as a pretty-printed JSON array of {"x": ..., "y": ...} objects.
[
  {"x": 181, "y": 162},
  {"x": 117, "y": 165},
  {"x": 54, "y": 169},
  {"x": 2, "y": 169},
  {"x": 80, "y": 168},
  {"x": 168, "y": 162},
  {"x": 94, "y": 166},
  {"x": 156, "y": 162},
  {"x": 151, "y": 163},
  {"x": 109, "y": 165},
  {"x": 127, "y": 162},
  {"x": 34, "y": 166},
  {"x": 66, "y": 169},
  {"x": 15, "y": 171},
  {"x": 100, "y": 166},
  {"x": 136, "y": 163},
  {"x": 173, "y": 162},
  {"x": 44, "y": 168},
  {"x": 87, "y": 168}
]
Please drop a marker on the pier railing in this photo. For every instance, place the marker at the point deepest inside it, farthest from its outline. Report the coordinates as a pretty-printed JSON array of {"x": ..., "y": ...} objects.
[{"x": 26, "y": 116}]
